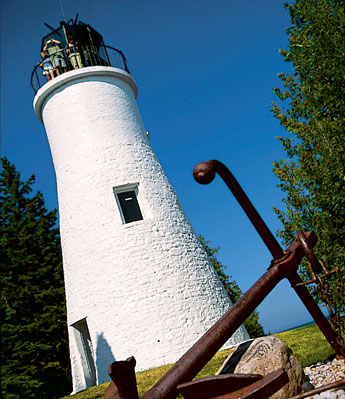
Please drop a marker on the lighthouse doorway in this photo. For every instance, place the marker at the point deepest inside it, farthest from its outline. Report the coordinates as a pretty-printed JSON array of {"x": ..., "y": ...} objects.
[{"x": 85, "y": 350}]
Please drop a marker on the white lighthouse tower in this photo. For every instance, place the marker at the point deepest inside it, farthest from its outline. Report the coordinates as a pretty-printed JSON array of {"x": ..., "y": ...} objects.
[{"x": 137, "y": 280}]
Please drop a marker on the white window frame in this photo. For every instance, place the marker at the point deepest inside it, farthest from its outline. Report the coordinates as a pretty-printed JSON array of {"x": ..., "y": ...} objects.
[{"x": 142, "y": 206}]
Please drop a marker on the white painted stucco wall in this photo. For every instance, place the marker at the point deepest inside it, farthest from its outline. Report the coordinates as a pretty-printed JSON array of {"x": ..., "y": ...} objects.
[{"x": 145, "y": 288}]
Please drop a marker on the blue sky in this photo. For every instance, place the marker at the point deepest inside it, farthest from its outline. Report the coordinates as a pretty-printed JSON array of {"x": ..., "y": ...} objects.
[{"x": 205, "y": 71}]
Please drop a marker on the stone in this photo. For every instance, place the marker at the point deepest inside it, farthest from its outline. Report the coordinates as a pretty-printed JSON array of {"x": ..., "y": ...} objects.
[
  {"x": 324, "y": 395},
  {"x": 341, "y": 394},
  {"x": 322, "y": 374},
  {"x": 307, "y": 386},
  {"x": 262, "y": 356}
]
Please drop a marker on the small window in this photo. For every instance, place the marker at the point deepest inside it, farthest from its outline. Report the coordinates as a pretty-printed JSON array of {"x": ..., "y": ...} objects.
[
  {"x": 127, "y": 200},
  {"x": 129, "y": 206}
]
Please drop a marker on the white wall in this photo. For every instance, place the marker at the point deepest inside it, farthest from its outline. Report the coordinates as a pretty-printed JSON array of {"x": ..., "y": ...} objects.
[{"x": 146, "y": 288}]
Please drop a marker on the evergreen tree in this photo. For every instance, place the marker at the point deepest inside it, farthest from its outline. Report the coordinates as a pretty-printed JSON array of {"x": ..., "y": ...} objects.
[
  {"x": 312, "y": 174},
  {"x": 252, "y": 324},
  {"x": 34, "y": 345}
]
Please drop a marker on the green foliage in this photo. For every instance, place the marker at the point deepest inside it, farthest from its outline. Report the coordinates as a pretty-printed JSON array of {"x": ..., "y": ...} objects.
[
  {"x": 252, "y": 324},
  {"x": 35, "y": 360},
  {"x": 312, "y": 174}
]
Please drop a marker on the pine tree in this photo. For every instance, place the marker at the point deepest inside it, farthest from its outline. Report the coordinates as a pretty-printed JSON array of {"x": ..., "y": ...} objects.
[
  {"x": 34, "y": 346},
  {"x": 252, "y": 324},
  {"x": 312, "y": 174}
]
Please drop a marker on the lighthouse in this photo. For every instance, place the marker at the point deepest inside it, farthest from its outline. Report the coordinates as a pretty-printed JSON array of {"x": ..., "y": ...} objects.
[{"x": 137, "y": 280}]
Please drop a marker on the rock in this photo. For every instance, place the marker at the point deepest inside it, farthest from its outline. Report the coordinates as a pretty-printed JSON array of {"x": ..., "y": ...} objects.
[
  {"x": 341, "y": 394},
  {"x": 262, "y": 356},
  {"x": 324, "y": 395},
  {"x": 323, "y": 374},
  {"x": 307, "y": 386}
]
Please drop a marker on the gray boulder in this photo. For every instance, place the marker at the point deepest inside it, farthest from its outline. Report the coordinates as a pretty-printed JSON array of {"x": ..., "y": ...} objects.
[{"x": 262, "y": 356}]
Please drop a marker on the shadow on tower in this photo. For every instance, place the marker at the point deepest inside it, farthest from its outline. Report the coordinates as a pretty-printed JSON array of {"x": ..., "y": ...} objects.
[{"x": 104, "y": 357}]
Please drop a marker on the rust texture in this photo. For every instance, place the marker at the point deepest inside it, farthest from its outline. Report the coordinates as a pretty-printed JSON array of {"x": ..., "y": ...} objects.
[
  {"x": 206, "y": 347},
  {"x": 218, "y": 385},
  {"x": 123, "y": 383},
  {"x": 323, "y": 388},
  {"x": 320, "y": 287},
  {"x": 263, "y": 389},
  {"x": 204, "y": 173}
]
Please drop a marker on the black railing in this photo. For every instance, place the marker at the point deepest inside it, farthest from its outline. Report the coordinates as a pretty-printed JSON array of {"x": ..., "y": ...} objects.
[{"x": 70, "y": 59}]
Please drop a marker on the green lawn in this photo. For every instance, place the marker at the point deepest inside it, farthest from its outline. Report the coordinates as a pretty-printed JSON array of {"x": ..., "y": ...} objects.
[{"x": 307, "y": 343}]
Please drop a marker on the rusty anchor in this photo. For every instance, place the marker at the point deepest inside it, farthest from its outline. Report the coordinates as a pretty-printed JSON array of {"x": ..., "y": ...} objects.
[{"x": 231, "y": 386}]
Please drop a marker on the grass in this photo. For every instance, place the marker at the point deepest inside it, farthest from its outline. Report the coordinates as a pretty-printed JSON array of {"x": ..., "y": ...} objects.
[{"x": 307, "y": 343}]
